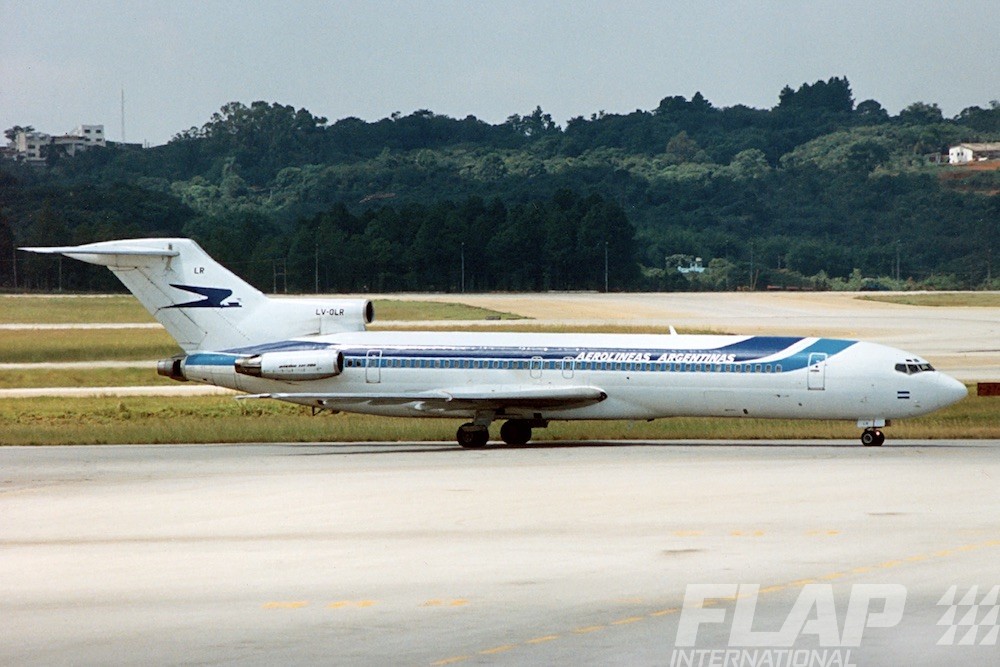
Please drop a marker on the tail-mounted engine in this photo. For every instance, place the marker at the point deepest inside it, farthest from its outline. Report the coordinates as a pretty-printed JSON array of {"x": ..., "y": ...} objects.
[
  {"x": 306, "y": 317},
  {"x": 172, "y": 368},
  {"x": 299, "y": 365}
]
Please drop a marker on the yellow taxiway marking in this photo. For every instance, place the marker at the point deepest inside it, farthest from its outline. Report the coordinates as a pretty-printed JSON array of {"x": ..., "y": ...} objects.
[
  {"x": 340, "y": 604},
  {"x": 436, "y": 602},
  {"x": 627, "y": 620},
  {"x": 710, "y": 602},
  {"x": 589, "y": 628},
  {"x": 664, "y": 612},
  {"x": 286, "y": 604},
  {"x": 498, "y": 649}
]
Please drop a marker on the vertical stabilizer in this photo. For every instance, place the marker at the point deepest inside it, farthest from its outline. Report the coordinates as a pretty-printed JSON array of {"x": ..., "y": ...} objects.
[
  {"x": 204, "y": 305},
  {"x": 200, "y": 303}
]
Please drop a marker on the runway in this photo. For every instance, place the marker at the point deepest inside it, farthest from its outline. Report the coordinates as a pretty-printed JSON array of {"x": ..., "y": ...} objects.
[{"x": 562, "y": 553}]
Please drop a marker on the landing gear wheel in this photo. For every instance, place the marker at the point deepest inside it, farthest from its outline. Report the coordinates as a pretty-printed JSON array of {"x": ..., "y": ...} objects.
[
  {"x": 515, "y": 432},
  {"x": 872, "y": 437},
  {"x": 472, "y": 436}
]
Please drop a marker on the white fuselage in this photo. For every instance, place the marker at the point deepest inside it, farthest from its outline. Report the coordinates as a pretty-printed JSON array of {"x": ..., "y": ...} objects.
[{"x": 644, "y": 376}]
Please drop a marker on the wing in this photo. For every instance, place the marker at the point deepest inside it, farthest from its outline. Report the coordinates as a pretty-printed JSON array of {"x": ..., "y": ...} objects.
[{"x": 455, "y": 398}]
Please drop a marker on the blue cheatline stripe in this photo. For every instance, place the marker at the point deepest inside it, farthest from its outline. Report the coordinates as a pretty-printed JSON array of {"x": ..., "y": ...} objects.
[
  {"x": 210, "y": 359},
  {"x": 279, "y": 346},
  {"x": 749, "y": 351}
]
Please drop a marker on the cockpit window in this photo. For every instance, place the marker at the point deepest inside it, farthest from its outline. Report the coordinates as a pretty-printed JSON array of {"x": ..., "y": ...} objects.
[{"x": 912, "y": 368}]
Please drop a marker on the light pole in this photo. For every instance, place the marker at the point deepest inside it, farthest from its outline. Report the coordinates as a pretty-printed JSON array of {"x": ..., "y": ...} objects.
[
  {"x": 463, "y": 267},
  {"x": 897, "y": 261},
  {"x": 605, "y": 266}
]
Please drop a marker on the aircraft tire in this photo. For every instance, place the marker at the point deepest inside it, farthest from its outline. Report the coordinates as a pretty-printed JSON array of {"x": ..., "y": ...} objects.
[
  {"x": 515, "y": 432},
  {"x": 872, "y": 438},
  {"x": 471, "y": 436}
]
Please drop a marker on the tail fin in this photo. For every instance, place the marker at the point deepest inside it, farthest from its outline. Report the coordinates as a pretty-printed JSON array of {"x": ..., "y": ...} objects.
[{"x": 203, "y": 305}]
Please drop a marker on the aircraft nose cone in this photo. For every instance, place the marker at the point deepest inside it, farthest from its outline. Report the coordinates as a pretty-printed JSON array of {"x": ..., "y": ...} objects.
[{"x": 952, "y": 391}]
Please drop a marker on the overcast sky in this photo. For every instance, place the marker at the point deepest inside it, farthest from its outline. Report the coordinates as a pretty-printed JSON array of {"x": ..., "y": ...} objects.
[{"x": 63, "y": 63}]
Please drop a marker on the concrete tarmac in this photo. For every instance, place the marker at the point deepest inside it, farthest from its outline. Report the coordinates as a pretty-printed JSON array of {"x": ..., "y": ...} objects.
[{"x": 560, "y": 553}]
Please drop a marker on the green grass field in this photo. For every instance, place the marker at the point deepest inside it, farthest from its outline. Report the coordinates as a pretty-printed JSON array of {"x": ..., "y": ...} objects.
[
  {"x": 952, "y": 299},
  {"x": 39, "y": 421},
  {"x": 71, "y": 310},
  {"x": 32, "y": 346},
  {"x": 82, "y": 377},
  {"x": 126, "y": 310},
  {"x": 56, "y": 421}
]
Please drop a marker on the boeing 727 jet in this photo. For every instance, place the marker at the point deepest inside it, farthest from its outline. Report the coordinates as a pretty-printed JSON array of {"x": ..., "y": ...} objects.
[{"x": 318, "y": 353}]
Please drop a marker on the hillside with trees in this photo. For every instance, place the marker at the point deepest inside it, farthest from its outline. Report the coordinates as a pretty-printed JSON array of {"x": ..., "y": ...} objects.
[{"x": 818, "y": 192}]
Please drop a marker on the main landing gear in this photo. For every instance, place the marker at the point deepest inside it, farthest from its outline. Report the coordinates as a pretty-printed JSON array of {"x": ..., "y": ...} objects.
[
  {"x": 872, "y": 437},
  {"x": 513, "y": 432},
  {"x": 472, "y": 436}
]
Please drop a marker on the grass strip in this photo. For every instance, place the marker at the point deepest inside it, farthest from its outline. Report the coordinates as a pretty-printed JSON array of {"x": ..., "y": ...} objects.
[
  {"x": 81, "y": 377},
  {"x": 402, "y": 310},
  {"x": 72, "y": 309},
  {"x": 121, "y": 309},
  {"x": 57, "y": 421},
  {"x": 24, "y": 346},
  {"x": 942, "y": 299},
  {"x": 531, "y": 327}
]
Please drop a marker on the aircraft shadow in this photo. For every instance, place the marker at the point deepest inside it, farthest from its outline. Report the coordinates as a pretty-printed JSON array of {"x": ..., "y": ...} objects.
[{"x": 369, "y": 449}]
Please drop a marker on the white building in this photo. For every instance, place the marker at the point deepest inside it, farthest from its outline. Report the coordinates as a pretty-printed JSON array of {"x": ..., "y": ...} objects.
[
  {"x": 964, "y": 153},
  {"x": 92, "y": 135},
  {"x": 28, "y": 145},
  {"x": 32, "y": 147}
]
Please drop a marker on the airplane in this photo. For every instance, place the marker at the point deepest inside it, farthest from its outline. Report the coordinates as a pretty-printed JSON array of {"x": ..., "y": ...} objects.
[{"x": 319, "y": 353}]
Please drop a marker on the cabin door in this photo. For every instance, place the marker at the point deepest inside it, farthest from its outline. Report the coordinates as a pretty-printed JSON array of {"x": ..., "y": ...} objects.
[
  {"x": 373, "y": 366},
  {"x": 816, "y": 376}
]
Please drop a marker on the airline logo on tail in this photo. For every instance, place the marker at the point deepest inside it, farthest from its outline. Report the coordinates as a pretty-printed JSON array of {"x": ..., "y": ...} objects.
[{"x": 213, "y": 297}]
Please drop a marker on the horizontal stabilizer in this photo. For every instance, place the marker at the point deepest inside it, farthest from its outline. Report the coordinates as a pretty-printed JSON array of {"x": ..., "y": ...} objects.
[{"x": 104, "y": 249}]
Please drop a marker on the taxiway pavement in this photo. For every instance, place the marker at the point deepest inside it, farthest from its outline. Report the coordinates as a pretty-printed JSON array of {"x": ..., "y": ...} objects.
[{"x": 424, "y": 554}]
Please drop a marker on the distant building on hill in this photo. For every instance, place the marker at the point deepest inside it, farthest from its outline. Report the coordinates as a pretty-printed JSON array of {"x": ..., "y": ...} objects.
[
  {"x": 694, "y": 266},
  {"x": 963, "y": 153},
  {"x": 33, "y": 147}
]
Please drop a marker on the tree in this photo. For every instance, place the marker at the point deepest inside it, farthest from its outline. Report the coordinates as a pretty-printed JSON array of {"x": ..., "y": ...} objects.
[
  {"x": 921, "y": 113},
  {"x": 536, "y": 124},
  {"x": 12, "y": 132},
  {"x": 871, "y": 111},
  {"x": 7, "y": 258},
  {"x": 833, "y": 95},
  {"x": 682, "y": 148}
]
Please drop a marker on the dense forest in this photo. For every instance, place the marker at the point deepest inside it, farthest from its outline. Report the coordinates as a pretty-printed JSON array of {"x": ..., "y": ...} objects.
[{"x": 818, "y": 192}]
